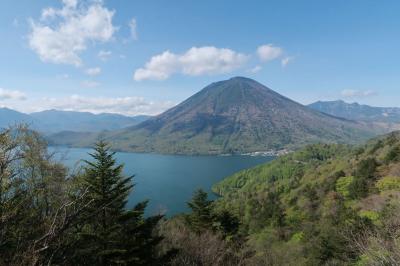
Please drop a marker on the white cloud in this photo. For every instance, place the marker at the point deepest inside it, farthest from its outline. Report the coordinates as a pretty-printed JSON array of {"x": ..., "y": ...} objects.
[
  {"x": 255, "y": 69},
  {"x": 357, "y": 93},
  {"x": 269, "y": 52},
  {"x": 11, "y": 95},
  {"x": 206, "y": 60},
  {"x": 159, "y": 67},
  {"x": 286, "y": 60},
  {"x": 93, "y": 71},
  {"x": 90, "y": 83},
  {"x": 131, "y": 105},
  {"x": 104, "y": 55},
  {"x": 133, "y": 27},
  {"x": 63, "y": 34},
  {"x": 210, "y": 60}
]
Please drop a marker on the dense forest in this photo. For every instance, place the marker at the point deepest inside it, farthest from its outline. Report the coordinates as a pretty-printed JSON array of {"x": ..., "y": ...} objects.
[{"x": 322, "y": 205}]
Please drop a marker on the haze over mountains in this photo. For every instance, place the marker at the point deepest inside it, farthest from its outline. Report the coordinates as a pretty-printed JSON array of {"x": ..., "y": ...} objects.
[
  {"x": 232, "y": 116},
  {"x": 355, "y": 111},
  {"x": 52, "y": 121}
]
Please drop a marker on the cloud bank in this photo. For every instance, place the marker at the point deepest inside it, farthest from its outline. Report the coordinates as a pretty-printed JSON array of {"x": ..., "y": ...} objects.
[
  {"x": 11, "y": 95},
  {"x": 206, "y": 60},
  {"x": 130, "y": 105}
]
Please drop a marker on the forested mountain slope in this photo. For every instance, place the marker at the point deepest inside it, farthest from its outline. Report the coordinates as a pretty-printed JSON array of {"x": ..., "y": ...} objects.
[{"x": 322, "y": 205}]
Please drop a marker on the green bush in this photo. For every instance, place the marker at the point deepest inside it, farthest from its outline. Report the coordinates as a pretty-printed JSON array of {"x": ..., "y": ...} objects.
[
  {"x": 364, "y": 175},
  {"x": 343, "y": 185},
  {"x": 388, "y": 183},
  {"x": 393, "y": 155},
  {"x": 371, "y": 215}
]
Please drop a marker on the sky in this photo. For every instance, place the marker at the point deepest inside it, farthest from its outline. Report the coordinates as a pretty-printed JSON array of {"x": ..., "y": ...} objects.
[{"x": 143, "y": 57}]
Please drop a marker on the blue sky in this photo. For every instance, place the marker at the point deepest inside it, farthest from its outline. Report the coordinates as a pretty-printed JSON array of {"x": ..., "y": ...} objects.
[{"x": 136, "y": 57}]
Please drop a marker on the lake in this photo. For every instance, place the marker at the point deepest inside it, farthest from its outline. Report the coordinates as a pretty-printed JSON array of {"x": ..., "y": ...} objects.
[{"x": 169, "y": 181}]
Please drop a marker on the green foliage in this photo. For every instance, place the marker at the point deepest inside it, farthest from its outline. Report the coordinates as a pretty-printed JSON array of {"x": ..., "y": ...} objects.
[
  {"x": 379, "y": 245},
  {"x": 364, "y": 176},
  {"x": 388, "y": 183},
  {"x": 204, "y": 217},
  {"x": 316, "y": 199},
  {"x": 111, "y": 234},
  {"x": 378, "y": 145},
  {"x": 32, "y": 194},
  {"x": 297, "y": 237},
  {"x": 366, "y": 168},
  {"x": 226, "y": 223},
  {"x": 311, "y": 207},
  {"x": 200, "y": 217},
  {"x": 393, "y": 155},
  {"x": 371, "y": 215},
  {"x": 343, "y": 185},
  {"x": 50, "y": 218},
  {"x": 107, "y": 193}
]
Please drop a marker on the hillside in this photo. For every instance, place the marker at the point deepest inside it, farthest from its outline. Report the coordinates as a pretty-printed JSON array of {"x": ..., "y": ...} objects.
[
  {"x": 355, "y": 111},
  {"x": 235, "y": 116},
  {"x": 322, "y": 205}
]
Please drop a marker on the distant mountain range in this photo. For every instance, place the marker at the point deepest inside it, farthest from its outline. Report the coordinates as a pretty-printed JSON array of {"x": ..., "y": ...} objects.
[
  {"x": 10, "y": 117},
  {"x": 53, "y": 121},
  {"x": 355, "y": 111},
  {"x": 232, "y": 116}
]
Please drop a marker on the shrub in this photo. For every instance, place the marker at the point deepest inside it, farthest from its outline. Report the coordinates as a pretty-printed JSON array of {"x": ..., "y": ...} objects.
[
  {"x": 366, "y": 168},
  {"x": 393, "y": 155},
  {"x": 371, "y": 215},
  {"x": 388, "y": 183},
  {"x": 297, "y": 237},
  {"x": 363, "y": 177},
  {"x": 343, "y": 185}
]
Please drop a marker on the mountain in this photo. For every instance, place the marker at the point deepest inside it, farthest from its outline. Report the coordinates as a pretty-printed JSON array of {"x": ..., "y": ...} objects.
[
  {"x": 321, "y": 205},
  {"x": 52, "y": 121},
  {"x": 234, "y": 116},
  {"x": 56, "y": 121},
  {"x": 355, "y": 111},
  {"x": 10, "y": 117}
]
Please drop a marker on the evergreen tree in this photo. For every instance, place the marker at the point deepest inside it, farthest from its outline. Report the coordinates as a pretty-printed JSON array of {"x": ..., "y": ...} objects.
[
  {"x": 139, "y": 240},
  {"x": 201, "y": 217},
  {"x": 108, "y": 190},
  {"x": 204, "y": 217},
  {"x": 113, "y": 235},
  {"x": 226, "y": 223}
]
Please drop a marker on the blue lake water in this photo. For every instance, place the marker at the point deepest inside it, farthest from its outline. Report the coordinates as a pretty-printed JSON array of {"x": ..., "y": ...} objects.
[{"x": 168, "y": 181}]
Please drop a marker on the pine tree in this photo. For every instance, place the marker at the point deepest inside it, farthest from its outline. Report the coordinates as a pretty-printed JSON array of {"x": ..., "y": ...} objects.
[
  {"x": 112, "y": 234},
  {"x": 201, "y": 216},
  {"x": 139, "y": 239},
  {"x": 108, "y": 190}
]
